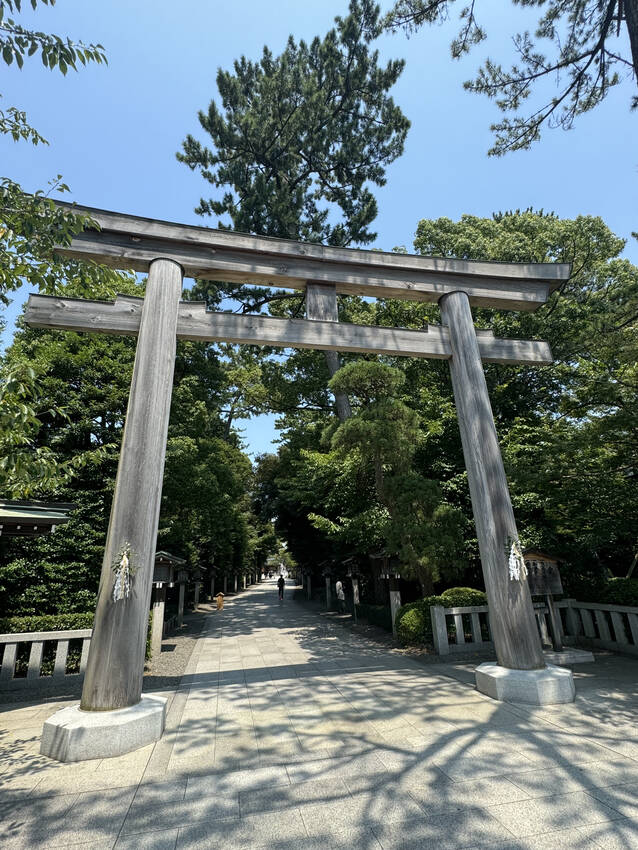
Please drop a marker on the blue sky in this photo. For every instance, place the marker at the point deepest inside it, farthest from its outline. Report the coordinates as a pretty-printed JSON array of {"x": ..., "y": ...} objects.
[{"x": 114, "y": 130}]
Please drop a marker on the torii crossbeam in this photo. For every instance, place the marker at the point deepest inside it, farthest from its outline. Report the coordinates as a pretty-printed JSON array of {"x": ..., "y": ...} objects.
[{"x": 168, "y": 252}]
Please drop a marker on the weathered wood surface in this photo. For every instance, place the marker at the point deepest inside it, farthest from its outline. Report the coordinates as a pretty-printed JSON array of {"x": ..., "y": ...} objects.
[
  {"x": 180, "y": 604},
  {"x": 159, "y": 606},
  {"x": 116, "y": 659},
  {"x": 134, "y": 242},
  {"x": 321, "y": 305},
  {"x": 512, "y": 620},
  {"x": 28, "y": 637},
  {"x": 195, "y": 323}
]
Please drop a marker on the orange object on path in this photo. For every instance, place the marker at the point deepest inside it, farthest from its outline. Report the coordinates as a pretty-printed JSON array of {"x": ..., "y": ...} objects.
[{"x": 220, "y": 601}]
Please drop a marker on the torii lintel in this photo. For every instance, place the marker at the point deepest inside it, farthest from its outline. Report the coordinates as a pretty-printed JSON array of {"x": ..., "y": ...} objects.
[
  {"x": 194, "y": 322},
  {"x": 133, "y": 242}
]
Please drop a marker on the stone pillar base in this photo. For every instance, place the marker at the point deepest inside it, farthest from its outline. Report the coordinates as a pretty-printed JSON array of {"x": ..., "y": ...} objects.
[
  {"x": 568, "y": 655},
  {"x": 548, "y": 686},
  {"x": 74, "y": 735}
]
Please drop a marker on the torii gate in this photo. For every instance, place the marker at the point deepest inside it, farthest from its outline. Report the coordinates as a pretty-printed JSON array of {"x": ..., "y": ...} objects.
[{"x": 168, "y": 252}]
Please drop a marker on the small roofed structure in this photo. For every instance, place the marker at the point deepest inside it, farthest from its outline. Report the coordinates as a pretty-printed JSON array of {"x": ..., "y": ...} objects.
[
  {"x": 164, "y": 568},
  {"x": 19, "y": 517},
  {"x": 543, "y": 574},
  {"x": 543, "y": 578}
]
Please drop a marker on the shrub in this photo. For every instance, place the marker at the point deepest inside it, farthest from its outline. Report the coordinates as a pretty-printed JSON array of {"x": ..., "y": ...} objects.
[
  {"x": 45, "y": 623},
  {"x": 413, "y": 621},
  {"x": 620, "y": 591},
  {"x": 414, "y": 626},
  {"x": 459, "y": 597},
  {"x": 59, "y": 623}
]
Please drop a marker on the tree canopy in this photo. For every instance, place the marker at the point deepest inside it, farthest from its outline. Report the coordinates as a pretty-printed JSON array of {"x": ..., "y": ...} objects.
[
  {"x": 31, "y": 225},
  {"x": 577, "y": 50},
  {"x": 567, "y": 431},
  {"x": 300, "y": 135}
]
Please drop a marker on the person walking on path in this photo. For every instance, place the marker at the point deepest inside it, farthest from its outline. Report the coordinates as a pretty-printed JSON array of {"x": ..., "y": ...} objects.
[{"x": 281, "y": 584}]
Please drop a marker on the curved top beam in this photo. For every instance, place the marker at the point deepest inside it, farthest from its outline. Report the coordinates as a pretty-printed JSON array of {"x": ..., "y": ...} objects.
[{"x": 126, "y": 241}]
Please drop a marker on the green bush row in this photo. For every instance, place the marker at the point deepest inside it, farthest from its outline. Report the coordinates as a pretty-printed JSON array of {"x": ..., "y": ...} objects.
[
  {"x": 45, "y": 623},
  {"x": 621, "y": 591},
  {"x": 413, "y": 621},
  {"x": 58, "y": 623}
]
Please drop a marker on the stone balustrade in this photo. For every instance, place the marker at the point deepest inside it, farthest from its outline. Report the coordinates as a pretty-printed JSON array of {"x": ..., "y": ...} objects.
[
  {"x": 47, "y": 651},
  {"x": 596, "y": 624},
  {"x": 591, "y": 624}
]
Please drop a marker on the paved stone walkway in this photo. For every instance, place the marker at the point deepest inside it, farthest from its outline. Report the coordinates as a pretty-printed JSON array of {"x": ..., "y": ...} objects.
[{"x": 289, "y": 732}]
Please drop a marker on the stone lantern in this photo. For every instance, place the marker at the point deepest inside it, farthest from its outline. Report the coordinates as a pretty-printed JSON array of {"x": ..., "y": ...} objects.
[{"x": 164, "y": 568}]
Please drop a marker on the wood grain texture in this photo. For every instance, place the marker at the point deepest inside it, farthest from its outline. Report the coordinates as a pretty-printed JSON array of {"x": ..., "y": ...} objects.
[
  {"x": 321, "y": 305},
  {"x": 159, "y": 605},
  {"x": 116, "y": 658},
  {"x": 194, "y": 323},
  {"x": 512, "y": 620},
  {"x": 134, "y": 242}
]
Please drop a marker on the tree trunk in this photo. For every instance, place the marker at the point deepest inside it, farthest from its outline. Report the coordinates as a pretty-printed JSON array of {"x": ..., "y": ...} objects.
[
  {"x": 631, "y": 17},
  {"x": 229, "y": 422},
  {"x": 344, "y": 411},
  {"x": 427, "y": 585},
  {"x": 321, "y": 304}
]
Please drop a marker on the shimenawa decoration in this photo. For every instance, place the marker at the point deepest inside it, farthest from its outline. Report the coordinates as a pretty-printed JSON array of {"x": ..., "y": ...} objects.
[
  {"x": 515, "y": 560},
  {"x": 124, "y": 570}
]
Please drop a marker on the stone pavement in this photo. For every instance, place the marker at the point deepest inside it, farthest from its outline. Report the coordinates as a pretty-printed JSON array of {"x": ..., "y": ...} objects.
[{"x": 290, "y": 732}]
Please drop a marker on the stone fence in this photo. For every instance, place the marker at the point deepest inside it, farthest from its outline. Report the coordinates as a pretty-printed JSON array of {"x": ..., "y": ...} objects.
[
  {"x": 31, "y": 659},
  {"x": 595, "y": 624},
  {"x": 49, "y": 659},
  {"x": 590, "y": 624}
]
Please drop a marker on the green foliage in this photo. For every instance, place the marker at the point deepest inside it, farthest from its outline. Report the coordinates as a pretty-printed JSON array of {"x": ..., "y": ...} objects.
[
  {"x": 414, "y": 623},
  {"x": 462, "y": 597},
  {"x": 46, "y": 623},
  {"x": 31, "y": 226},
  {"x": 206, "y": 514},
  {"x": 26, "y": 469},
  {"x": 411, "y": 519},
  {"x": 13, "y": 122},
  {"x": 59, "y": 623},
  {"x": 583, "y": 61},
  {"x": 16, "y": 42},
  {"x": 568, "y": 431},
  {"x": 301, "y": 134},
  {"x": 621, "y": 591}
]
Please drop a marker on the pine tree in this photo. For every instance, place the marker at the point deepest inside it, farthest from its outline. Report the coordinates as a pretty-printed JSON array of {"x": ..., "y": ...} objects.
[{"x": 300, "y": 135}]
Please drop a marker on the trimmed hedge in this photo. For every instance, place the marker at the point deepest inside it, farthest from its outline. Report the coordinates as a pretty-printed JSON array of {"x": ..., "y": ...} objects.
[
  {"x": 413, "y": 622},
  {"x": 45, "y": 623},
  {"x": 59, "y": 623}
]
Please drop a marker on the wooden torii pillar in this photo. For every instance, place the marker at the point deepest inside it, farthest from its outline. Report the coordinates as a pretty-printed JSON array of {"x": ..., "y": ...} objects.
[{"x": 168, "y": 252}]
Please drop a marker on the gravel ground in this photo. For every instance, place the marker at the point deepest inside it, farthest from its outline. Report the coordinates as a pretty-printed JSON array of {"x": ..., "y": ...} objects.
[{"x": 385, "y": 639}]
